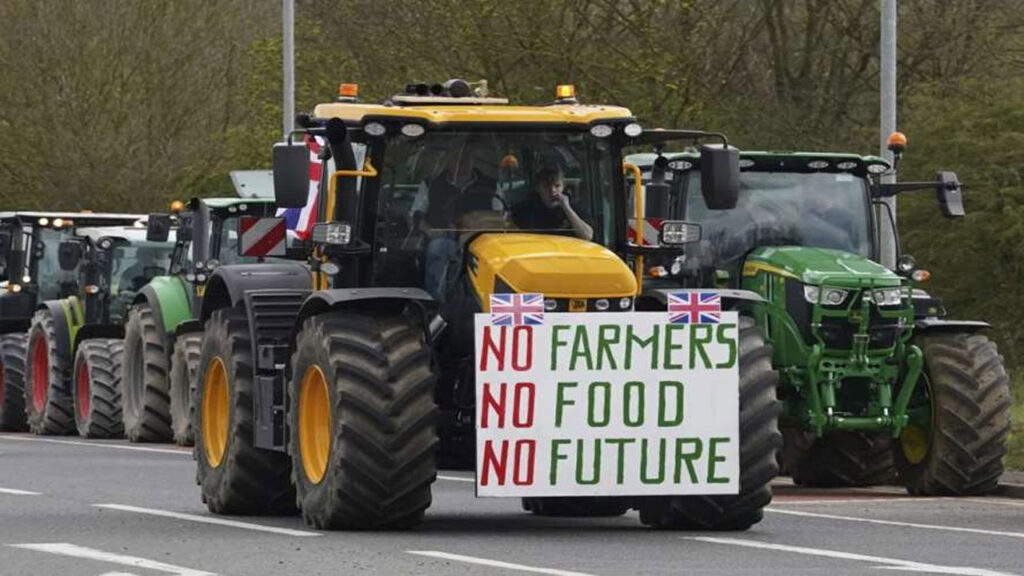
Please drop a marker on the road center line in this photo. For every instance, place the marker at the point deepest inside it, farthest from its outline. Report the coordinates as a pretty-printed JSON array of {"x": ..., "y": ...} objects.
[
  {"x": 207, "y": 520},
  {"x": 98, "y": 445},
  {"x": 494, "y": 563},
  {"x": 902, "y": 524},
  {"x": 75, "y": 551},
  {"x": 886, "y": 563},
  {"x": 19, "y": 492},
  {"x": 456, "y": 478}
]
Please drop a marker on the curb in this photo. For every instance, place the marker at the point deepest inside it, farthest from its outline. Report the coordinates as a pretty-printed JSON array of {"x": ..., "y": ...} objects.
[{"x": 1010, "y": 491}]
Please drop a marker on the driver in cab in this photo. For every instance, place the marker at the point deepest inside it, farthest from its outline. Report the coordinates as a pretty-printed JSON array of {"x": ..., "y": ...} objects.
[{"x": 549, "y": 208}]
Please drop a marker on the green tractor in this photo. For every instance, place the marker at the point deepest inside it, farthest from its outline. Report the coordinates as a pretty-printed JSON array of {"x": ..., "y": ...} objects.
[
  {"x": 162, "y": 339},
  {"x": 877, "y": 383},
  {"x": 29, "y": 246},
  {"x": 75, "y": 343}
]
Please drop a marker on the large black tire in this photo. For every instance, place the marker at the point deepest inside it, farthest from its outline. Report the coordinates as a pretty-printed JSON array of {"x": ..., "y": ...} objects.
[
  {"x": 47, "y": 399},
  {"x": 379, "y": 451},
  {"x": 759, "y": 441},
  {"x": 13, "y": 349},
  {"x": 839, "y": 459},
  {"x": 96, "y": 388},
  {"x": 243, "y": 479},
  {"x": 969, "y": 393},
  {"x": 184, "y": 366},
  {"x": 584, "y": 506},
  {"x": 145, "y": 393}
]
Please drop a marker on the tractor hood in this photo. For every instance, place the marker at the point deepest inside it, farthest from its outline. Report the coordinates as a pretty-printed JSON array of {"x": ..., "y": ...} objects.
[
  {"x": 556, "y": 266},
  {"x": 818, "y": 266}
]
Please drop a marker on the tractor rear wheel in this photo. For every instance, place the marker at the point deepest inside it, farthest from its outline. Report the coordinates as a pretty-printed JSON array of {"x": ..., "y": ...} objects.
[
  {"x": 584, "y": 506},
  {"x": 97, "y": 388},
  {"x": 48, "y": 401},
  {"x": 145, "y": 394},
  {"x": 13, "y": 349},
  {"x": 362, "y": 421},
  {"x": 235, "y": 477},
  {"x": 959, "y": 418},
  {"x": 184, "y": 365},
  {"x": 759, "y": 441},
  {"x": 839, "y": 459}
]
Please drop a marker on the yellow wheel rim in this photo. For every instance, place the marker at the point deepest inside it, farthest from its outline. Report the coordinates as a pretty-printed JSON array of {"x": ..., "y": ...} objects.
[
  {"x": 314, "y": 424},
  {"x": 215, "y": 412},
  {"x": 914, "y": 441}
]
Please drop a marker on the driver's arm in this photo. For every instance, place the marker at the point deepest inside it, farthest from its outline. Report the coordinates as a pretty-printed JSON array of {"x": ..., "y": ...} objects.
[{"x": 580, "y": 228}]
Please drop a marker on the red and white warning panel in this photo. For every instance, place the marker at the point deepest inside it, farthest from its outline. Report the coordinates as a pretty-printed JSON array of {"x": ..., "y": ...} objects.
[
  {"x": 262, "y": 236},
  {"x": 652, "y": 231}
]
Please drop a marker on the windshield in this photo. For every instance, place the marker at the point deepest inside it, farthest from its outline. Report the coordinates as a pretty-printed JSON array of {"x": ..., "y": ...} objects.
[
  {"x": 52, "y": 282},
  {"x": 134, "y": 265},
  {"x": 447, "y": 186},
  {"x": 824, "y": 210}
]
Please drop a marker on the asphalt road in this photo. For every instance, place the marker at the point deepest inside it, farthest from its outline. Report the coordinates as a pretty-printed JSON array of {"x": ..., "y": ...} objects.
[{"x": 76, "y": 507}]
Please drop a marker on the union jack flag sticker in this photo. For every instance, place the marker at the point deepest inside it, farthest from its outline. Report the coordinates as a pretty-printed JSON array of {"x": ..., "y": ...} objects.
[
  {"x": 694, "y": 308},
  {"x": 517, "y": 309}
]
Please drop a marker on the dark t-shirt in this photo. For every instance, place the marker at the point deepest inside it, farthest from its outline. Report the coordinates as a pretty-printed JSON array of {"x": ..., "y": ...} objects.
[{"x": 533, "y": 214}]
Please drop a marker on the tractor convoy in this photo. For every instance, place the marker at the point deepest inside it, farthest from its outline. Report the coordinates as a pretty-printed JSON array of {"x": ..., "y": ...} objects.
[{"x": 540, "y": 293}]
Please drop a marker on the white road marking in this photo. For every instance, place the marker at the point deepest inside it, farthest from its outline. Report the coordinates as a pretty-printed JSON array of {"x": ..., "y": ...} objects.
[
  {"x": 19, "y": 492},
  {"x": 98, "y": 445},
  {"x": 495, "y": 563},
  {"x": 782, "y": 500},
  {"x": 75, "y": 551},
  {"x": 207, "y": 520},
  {"x": 456, "y": 478},
  {"x": 901, "y": 524},
  {"x": 886, "y": 563}
]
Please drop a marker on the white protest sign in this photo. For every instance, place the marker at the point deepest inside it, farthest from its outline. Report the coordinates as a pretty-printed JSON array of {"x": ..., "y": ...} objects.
[{"x": 609, "y": 404}]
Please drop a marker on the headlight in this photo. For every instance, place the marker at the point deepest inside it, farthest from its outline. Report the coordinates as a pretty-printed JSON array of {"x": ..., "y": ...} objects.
[
  {"x": 675, "y": 232},
  {"x": 601, "y": 305},
  {"x": 624, "y": 303},
  {"x": 550, "y": 305},
  {"x": 332, "y": 233},
  {"x": 827, "y": 296},
  {"x": 887, "y": 296}
]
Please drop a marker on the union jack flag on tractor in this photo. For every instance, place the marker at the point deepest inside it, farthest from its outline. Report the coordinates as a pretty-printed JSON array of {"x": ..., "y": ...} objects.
[
  {"x": 517, "y": 309},
  {"x": 694, "y": 308}
]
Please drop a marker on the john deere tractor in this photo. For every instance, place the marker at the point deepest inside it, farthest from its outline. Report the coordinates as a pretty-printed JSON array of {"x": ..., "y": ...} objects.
[
  {"x": 162, "y": 337},
  {"x": 76, "y": 343},
  {"x": 877, "y": 382},
  {"x": 335, "y": 385},
  {"x": 29, "y": 245}
]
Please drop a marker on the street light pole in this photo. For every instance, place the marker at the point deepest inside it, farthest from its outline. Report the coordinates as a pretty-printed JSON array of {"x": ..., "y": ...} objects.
[
  {"x": 887, "y": 117},
  {"x": 288, "y": 33}
]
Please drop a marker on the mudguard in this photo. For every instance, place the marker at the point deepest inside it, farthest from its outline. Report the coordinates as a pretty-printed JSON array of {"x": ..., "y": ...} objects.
[
  {"x": 228, "y": 285},
  {"x": 14, "y": 325},
  {"x": 97, "y": 331},
  {"x": 731, "y": 298},
  {"x": 188, "y": 327},
  {"x": 67, "y": 320},
  {"x": 323, "y": 300},
  {"x": 939, "y": 325},
  {"x": 168, "y": 296}
]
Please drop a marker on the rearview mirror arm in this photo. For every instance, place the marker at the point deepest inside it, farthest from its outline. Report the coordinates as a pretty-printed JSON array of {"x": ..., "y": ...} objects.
[{"x": 893, "y": 188}]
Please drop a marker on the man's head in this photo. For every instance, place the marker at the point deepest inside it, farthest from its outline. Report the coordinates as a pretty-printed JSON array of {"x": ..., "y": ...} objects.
[{"x": 549, "y": 184}]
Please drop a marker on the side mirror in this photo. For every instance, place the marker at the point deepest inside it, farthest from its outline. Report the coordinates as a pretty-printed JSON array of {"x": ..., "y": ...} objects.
[
  {"x": 291, "y": 175},
  {"x": 185, "y": 223},
  {"x": 656, "y": 202},
  {"x": 720, "y": 176},
  {"x": 951, "y": 200},
  {"x": 69, "y": 254},
  {"x": 158, "y": 227}
]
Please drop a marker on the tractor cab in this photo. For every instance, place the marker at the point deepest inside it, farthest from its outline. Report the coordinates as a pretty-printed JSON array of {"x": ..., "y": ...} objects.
[{"x": 30, "y": 245}]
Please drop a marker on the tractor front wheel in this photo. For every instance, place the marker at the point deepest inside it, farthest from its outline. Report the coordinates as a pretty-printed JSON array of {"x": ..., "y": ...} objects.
[
  {"x": 13, "y": 349},
  {"x": 362, "y": 421},
  {"x": 145, "y": 394},
  {"x": 48, "y": 402},
  {"x": 184, "y": 366},
  {"x": 839, "y": 459},
  {"x": 97, "y": 388},
  {"x": 959, "y": 418},
  {"x": 759, "y": 441},
  {"x": 235, "y": 477}
]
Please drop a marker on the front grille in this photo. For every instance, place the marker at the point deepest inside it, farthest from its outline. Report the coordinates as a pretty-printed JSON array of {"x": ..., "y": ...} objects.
[
  {"x": 273, "y": 313},
  {"x": 837, "y": 332}
]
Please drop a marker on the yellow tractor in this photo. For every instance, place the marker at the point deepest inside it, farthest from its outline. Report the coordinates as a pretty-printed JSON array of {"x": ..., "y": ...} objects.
[{"x": 469, "y": 297}]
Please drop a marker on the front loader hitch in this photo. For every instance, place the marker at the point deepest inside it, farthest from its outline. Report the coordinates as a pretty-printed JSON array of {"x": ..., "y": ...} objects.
[{"x": 915, "y": 359}]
